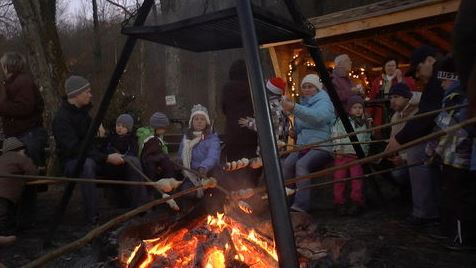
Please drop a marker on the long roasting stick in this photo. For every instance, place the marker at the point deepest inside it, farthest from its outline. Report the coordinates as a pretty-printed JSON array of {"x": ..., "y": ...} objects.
[
  {"x": 41, "y": 261},
  {"x": 418, "y": 116},
  {"x": 380, "y": 155}
]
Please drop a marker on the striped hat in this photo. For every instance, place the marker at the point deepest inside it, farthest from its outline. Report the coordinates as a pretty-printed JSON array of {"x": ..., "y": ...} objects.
[
  {"x": 12, "y": 144},
  {"x": 74, "y": 85}
]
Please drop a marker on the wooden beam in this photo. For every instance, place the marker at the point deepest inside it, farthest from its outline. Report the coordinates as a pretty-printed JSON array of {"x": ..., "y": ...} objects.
[
  {"x": 275, "y": 62},
  {"x": 408, "y": 39},
  {"x": 365, "y": 44},
  {"x": 280, "y": 43},
  {"x": 389, "y": 44},
  {"x": 385, "y": 18},
  {"x": 434, "y": 39},
  {"x": 359, "y": 54},
  {"x": 355, "y": 58}
]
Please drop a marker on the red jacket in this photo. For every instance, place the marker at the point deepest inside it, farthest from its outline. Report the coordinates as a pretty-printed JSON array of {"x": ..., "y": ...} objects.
[{"x": 378, "y": 83}]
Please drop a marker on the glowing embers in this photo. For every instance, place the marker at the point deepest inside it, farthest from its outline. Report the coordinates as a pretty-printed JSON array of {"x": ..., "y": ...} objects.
[{"x": 211, "y": 242}]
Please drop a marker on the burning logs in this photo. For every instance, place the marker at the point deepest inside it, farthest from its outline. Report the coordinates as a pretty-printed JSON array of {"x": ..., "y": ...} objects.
[{"x": 209, "y": 242}]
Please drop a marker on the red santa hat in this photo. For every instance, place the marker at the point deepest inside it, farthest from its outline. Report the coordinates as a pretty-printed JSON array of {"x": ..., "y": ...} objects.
[{"x": 276, "y": 85}]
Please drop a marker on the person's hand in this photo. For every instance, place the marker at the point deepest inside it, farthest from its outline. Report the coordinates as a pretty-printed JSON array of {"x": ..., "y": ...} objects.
[
  {"x": 203, "y": 172},
  {"x": 101, "y": 131},
  {"x": 288, "y": 104},
  {"x": 292, "y": 133},
  {"x": 243, "y": 122},
  {"x": 392, "y": 145},
  {"x": 397, "y": 160},
  {"x": 398, "y": 75},
  {"x": 115, "y": 159}
]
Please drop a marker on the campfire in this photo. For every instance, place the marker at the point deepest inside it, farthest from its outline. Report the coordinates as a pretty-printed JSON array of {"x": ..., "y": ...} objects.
[{"x": 209, "y": 242}]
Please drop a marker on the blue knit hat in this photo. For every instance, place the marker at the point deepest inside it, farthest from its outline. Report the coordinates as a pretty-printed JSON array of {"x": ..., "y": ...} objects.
[
  {"x": 159, "y": 120},
  {"x": 401, "y": 89},
  {"x": 126, "y": 120}
]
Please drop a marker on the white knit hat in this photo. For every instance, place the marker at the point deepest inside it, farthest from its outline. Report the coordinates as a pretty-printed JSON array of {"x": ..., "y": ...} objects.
[
  {"x": 199, "y": 109},
  {"x": 313, "y": 79}
]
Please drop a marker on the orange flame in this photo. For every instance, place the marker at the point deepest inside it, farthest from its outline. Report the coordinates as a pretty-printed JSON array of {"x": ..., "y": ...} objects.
[{"x": 179, "y": 249}]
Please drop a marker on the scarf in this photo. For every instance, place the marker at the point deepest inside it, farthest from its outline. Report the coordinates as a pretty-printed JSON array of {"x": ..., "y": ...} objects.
[
  {"x": 187, "y": 159},
  {"x": 359, "y": 120}
]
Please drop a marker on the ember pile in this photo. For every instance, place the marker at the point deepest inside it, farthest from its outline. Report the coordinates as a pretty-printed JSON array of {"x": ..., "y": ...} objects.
[{"x": 210, "y": 242}]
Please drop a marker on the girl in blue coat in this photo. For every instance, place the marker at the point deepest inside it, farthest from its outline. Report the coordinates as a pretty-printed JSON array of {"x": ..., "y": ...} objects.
[
  {"x": 200, "y": 147},
  {"x": 314, "y": 117}
]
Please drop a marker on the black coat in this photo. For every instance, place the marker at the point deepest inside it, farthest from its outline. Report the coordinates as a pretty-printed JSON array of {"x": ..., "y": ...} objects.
[
  {"x": 431, "y": 99},
  {"x": 70, "y": 126},
  {"x": 465, "y": 40},
  {"x": 126, "y": 145}
]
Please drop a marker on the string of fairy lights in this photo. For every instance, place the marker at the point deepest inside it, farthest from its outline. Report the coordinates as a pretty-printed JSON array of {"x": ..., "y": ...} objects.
[{"x": 358, "y": 75}]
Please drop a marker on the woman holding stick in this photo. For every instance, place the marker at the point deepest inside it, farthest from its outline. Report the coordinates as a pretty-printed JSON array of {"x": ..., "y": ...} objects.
[{"x": 314, "y": 116}]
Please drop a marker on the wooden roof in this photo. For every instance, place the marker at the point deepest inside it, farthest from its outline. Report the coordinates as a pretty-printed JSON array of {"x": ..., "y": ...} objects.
[{"x": 394, "y": 28}]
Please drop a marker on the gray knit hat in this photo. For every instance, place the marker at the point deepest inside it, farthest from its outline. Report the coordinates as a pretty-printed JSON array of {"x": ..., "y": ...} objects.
[
  {"x": 126, "y": 120},
  {"x": 11, "y": 144},
  {"x": 75, "y": 84},
  {"x": 159, "y": 120}
]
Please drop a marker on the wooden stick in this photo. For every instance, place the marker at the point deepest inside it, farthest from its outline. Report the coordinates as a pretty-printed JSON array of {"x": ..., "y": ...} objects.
[
  {"x": 317, "y": 185},
  {"x": 418, "y": 116},
  {"x": 196, "y": 173},
  {"x": 378, "y": 156},
  {"x": 45, "y": 179},
  {"x": 41, "y": 261}
]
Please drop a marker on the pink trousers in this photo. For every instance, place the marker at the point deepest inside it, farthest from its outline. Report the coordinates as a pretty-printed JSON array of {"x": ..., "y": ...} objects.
[{"x": 356, "y": 194}]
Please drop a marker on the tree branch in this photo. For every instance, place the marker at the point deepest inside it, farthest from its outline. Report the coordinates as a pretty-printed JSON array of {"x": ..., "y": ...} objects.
[{"x": 120, "y": 6}]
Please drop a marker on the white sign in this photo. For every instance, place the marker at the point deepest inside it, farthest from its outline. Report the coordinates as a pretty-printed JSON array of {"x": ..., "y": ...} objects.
[{"x": 170, "y": 100}]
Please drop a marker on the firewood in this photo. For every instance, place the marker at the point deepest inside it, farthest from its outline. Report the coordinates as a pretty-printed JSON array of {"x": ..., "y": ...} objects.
[{"x": 139, "y": 257}]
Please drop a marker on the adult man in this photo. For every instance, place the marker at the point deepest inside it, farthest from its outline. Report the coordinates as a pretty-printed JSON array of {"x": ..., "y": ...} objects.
[
  {"x": 424, "y": 178},
  {"x": 21, "y": 108},
  {"x": 70, "y": 126}
]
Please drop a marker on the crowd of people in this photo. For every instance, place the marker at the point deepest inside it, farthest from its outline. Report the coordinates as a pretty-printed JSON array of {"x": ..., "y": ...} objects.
[{"x": 440, "y": 173}]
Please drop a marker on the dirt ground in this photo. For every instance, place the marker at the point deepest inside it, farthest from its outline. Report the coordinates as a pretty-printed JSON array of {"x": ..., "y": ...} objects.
[{"x": 386, "y": 242}]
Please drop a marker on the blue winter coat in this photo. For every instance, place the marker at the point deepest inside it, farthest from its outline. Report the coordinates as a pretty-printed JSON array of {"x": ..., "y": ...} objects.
[
  {"x": 314, "y": 118},
  {"x": 206, "y": 154}
]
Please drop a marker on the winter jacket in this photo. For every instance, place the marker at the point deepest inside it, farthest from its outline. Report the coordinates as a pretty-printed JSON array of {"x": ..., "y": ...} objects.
[
  {"x": 381, "y": 86},
  {"x": 125, "y": 145},
  {"x": 278, "y": 117},
  {"x": 18, "y": 164},
  {"x": 314, "y": 118},
  {"x": 205, "y": 154},
  {"x": 236, "y": 103},
  {"x": 22, "y": 108},
  {"x": 338, "y": 129},
  {"x": 343, "y": 85},
  {"x": 455, "y": 149},
  {"x": 430, "y": 100},
  {"x": 70, "y": 127},
  {"x": 410, "y": 110}
]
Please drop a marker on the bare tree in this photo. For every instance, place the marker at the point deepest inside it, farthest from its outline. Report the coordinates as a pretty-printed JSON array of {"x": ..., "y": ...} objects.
[{"x": 38, "y": 22}]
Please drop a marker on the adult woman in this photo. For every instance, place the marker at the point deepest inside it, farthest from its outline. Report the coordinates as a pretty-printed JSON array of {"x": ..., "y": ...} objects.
[{"x": 314, "y": 117}]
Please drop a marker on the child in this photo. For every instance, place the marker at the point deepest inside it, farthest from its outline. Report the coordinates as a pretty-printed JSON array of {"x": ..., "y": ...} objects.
[
  {"x": 154, "y": 155},
  {"x": 200, "y": 148},
  {"x": 124, "y": 142},
  {"x": 458, "y": 193},
  {"x": 276, "y": 88},
  {"x": 345, "y": 153},
  {"x": 12, "y": 161},
  {"x": 404, "y": 103}
]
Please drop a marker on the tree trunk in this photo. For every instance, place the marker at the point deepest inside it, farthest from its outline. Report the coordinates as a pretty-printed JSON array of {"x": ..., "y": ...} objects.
[
  {"x": 38, "y": 22},
  {"x": 97, "y": 38}
]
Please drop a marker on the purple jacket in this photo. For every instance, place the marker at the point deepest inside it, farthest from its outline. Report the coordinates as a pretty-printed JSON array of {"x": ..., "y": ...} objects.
[
  {"x": 206, "y": 154},
  {"x": 343, "y": 85}
]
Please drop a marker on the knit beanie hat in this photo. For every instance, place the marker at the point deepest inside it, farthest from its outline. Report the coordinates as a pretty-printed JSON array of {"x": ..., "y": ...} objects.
[
  {"x": 353, "y": 100},
  {"x": 75, "y": 84},
  {"x": 199, "y": 109},
  {"x": 401, "y": 89},
  {"x": 11, "y": 144},
  {"x": 159, "y": 120},
  {"x": 447, "y": 69},
  {"x": 126, "y": 120},
  {"x": 312, "y": 79},
  {"x": 276, "y": 85}
]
